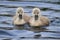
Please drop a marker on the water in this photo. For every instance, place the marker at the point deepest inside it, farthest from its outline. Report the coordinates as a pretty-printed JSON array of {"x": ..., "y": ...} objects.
[{"x": 49, "y": 8}]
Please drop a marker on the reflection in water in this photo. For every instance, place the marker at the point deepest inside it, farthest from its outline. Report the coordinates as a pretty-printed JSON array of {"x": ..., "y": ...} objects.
[
  {"x": 38, "y": 30},
  {"x": 35, "y": 30},
  {"x": 18, "y": 27}
]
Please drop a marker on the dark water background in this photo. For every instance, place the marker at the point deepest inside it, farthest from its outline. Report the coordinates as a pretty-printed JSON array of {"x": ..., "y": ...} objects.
[{"x": 49, "y": 8}]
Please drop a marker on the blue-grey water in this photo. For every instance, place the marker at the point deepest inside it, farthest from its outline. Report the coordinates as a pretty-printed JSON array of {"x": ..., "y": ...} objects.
[{"x": 49, "y": 8}]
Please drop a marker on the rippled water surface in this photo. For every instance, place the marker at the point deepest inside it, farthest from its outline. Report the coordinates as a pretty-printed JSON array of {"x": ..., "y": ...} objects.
[{"x": 50, "y": 9}]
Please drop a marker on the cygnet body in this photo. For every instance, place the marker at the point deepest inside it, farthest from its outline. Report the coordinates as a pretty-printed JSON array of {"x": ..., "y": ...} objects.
[
  {"x": 20, "y": 18},
  {"x": 37, "y": 19}
]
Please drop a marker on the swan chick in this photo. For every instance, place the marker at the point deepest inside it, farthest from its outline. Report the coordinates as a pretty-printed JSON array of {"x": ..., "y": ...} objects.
[
  {"x": 37, "y": 19},
  {"x": 18, "y": 18}
]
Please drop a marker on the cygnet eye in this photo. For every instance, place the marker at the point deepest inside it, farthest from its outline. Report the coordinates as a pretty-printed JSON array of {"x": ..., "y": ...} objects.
[
  {"x": 21, "y": 11},
  {"x": 18, "y": 12},
  {"x": 36, "y": 12}
]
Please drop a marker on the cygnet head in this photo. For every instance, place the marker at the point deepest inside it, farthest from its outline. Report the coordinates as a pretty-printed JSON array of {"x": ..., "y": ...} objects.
[
  {"x": 36, "y": 13},
  {"x": 20, "y": 12}
]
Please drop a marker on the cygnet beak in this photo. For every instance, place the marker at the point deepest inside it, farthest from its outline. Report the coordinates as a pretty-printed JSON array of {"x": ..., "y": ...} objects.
[
  {"x": 36, "y": 17},
  {"x": 20, "y": 16}
]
